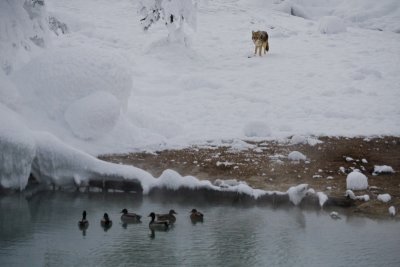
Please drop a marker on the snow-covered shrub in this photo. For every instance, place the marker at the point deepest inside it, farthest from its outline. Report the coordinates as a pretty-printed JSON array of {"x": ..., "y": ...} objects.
[
  {"x": 23, "y": 32},
  {"x": 331, "y": 25},
  {"x": 296, "y": 156},
  {"x": 174, "y": 13},
  {"x": 356, "y": 181},
  {"x": 384, "y": 197},
  {"x": 257, "y": 129}
]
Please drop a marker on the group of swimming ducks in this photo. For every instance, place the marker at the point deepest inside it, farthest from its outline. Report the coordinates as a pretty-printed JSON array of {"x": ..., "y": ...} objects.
[{"x": 158, "y": 221}]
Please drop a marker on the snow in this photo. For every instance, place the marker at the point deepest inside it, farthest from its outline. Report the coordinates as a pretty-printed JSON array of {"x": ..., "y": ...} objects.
[
  {"x": 379, "y": 169},
  {"x": 384, "y": 197},
  {"x": 392, "y": 211},
  {"x": 297, "y": 193},
  {"x": 105, "y": 86},
  {"x": 356, "y": 181},
  {"x": 296, "y": 156},
  {"x": 351, "y": 195},
  {"x": 331, "y": 25}
]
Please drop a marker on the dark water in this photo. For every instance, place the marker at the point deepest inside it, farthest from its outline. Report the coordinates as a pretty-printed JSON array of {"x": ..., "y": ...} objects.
[{"x": 43, "y": 231}]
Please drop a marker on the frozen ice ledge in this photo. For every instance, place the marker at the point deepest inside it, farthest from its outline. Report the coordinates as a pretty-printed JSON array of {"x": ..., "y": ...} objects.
[{"x": 50, "y": 163}]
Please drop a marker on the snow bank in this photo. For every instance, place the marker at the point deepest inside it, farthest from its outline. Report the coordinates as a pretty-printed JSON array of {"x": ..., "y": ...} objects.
[
  {"x": 382, "y": 169},
  {"x": 356, "y": 181},
  {"x": 296, "y": 156},
  {"x": 17, "y": 150},
  {"x": 384, "y": 197},
  {"x": 331, "y": 25}
]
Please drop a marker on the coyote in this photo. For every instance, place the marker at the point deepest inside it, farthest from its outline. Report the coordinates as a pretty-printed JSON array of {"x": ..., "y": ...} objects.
[{"x": 260, "y": 40}]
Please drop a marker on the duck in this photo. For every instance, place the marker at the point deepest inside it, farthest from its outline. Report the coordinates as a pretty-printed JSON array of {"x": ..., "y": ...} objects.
[
  {"x": 128, "y": 217},
  {"x": 157, "y": 225},
  {"x": 196, "y": 216},
  {"x": 167, "y": 217},
  {"x": 83, "y": 224},
  {"x": 105, "y": 221}
]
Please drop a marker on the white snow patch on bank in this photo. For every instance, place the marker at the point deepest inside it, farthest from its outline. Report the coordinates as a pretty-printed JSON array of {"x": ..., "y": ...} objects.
[
  {"x": 331, "y": 25},
  {"x": 392, "y": 211},
  {"x": 296, "y": 156},
  {"x": 356, "y": 181},
  {"x": 384, "y": 197},
  {"x": 297, "y": 193},
  {"x": 381, "y": 169}
]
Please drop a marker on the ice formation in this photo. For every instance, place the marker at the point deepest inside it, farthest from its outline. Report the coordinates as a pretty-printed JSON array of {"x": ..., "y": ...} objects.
[{"x": 356, "y": 181}]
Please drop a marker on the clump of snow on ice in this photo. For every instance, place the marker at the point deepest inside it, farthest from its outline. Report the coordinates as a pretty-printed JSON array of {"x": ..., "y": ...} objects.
[
  {"x": 356, "y": 181},
  {"x": 256, "y": 129},
  {"x": 296, "y": 156},
  {"x": 331, "y": 25},
  {"x": 382, "y": 169},
  {"x": 297, "y": 193},
  {"x": 17, "y": 150},
  {"x": 93, "y": 116},
  {"x": 392, "y": 211},
  {"x": 384, "y": 197}
]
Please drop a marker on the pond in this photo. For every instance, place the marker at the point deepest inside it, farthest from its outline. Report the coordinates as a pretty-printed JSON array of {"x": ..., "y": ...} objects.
[{"x": 42, "y": 230}]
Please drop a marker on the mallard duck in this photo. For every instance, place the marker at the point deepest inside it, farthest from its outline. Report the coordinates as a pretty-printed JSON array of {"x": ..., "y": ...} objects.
[
  {"x": 167, "y": 217},
  {"x": 83, "y": 224},
  {"x": 157, "y": 225},
  {"x": 105, "y": 221},
  {"x": 127, "y": 217},
  {"x": 196, "y": 216}
]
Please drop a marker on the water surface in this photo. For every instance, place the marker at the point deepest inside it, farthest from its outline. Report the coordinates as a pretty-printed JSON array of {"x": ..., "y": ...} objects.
[{"x": 43, "y": 231}]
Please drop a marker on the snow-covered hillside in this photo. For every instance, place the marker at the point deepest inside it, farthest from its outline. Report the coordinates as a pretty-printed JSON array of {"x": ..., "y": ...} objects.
[{"x": 105, "y": 86}]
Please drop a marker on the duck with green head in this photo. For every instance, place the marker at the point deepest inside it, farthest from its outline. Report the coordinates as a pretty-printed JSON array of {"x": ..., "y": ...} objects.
[
  {"x": 167, "y": 217},
  {"x": 157, "y": 225},
  {"x": 129, "y": 217}
]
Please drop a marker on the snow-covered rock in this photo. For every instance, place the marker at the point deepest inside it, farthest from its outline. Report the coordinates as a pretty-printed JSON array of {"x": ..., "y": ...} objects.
[
  {"x": 331, "y": 25},
  {"x": 384, "y": 197},
  {"x": 380, "y": 169},
  {"x": 356, "y": 181},
  {"x": 296, "y": 156}
]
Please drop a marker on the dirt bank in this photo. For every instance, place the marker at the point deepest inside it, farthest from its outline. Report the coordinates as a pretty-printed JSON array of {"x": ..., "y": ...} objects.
[{"x": 265, "y": 165}]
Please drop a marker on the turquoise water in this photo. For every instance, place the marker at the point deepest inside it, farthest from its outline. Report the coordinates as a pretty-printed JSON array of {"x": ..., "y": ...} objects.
[{"x": 43, "y": 231}]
